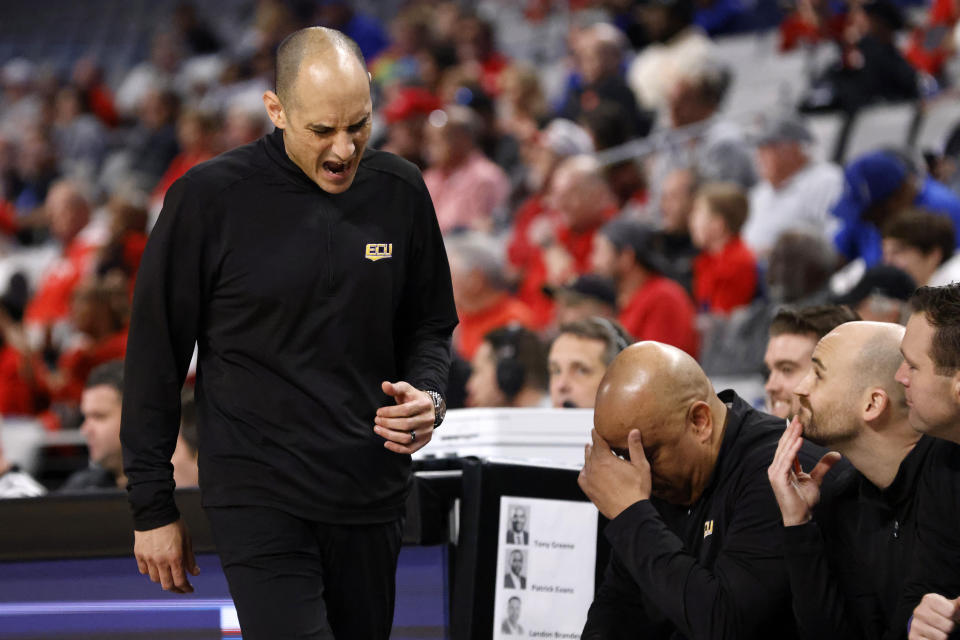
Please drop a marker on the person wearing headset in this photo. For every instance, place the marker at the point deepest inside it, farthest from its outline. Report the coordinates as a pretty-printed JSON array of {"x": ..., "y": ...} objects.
[
  {"x": 509, "y": 370},
  {"x": 579, "y": 357}
]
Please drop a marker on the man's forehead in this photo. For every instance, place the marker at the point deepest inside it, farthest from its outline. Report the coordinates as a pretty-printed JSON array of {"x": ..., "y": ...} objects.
[
  {"x": 791, "y": 346},
  {"x": 917, "y": 337},
  {"x": 828, "y": 349},
  {"x": 573, "y": 346}
]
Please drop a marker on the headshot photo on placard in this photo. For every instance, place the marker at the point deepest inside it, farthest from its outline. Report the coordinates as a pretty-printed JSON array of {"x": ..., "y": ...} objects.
[
  {"x": 518, "y": 531},
  {"x": 515, "y": 576},
  {"x": 511, "y": 623}
]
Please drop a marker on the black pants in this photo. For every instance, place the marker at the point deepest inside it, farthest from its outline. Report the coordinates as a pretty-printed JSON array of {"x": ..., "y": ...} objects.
[{"x": 293, "y": 578}]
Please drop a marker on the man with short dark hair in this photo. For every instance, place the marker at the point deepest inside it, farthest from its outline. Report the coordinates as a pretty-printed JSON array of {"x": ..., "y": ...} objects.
[
  {"x": 922, "y": 244},
  {"x": 794, "y": 333},
  {"x": 931, "y": 368},
  {"x": 930, "y": 374},
  {"x": 578, "y": 358},
  {"x": 652, "y": 307},
  {"x": 101, "y": 405},
  {"x": 311, "y": 273},
  {"x": 508, "y": 370}
]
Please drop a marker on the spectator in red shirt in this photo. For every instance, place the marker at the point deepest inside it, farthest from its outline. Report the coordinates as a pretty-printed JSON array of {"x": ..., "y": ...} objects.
[
  {"x": 725, "y": 272},
  {"x": 480, "y": 291},
  {"x": 99, "y": 313},
  {"x": 653, "y": 307},
  {"x": 197, "y": 136},
  {"x": 583, "y": 202},
  {"x": 17, "y": 395},
  {"x": 88, "y": 78},
  {"x": 123, "y": 249},
  {"x": 533, "y": 221},
  {"x": 68, "y": 212}
]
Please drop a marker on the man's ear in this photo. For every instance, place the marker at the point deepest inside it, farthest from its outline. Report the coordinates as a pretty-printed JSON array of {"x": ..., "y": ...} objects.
[
  {"x": 876, "y": 402},
  {"x": 275, "y": 110},
  {"x": 700, "y": 420}
]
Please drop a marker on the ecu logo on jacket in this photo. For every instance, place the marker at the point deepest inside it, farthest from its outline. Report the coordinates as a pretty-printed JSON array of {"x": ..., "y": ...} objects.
[
  {"x": 379, "y": 251},
  {"x": 707, "y": 528}
]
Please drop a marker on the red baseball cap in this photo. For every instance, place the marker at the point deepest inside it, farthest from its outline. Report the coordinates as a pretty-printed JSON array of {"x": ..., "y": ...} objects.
[{"x": 408, "y": 102}]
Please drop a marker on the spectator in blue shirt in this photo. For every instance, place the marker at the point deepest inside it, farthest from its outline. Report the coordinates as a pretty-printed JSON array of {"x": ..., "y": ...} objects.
[{"x": 878, "y": 185}]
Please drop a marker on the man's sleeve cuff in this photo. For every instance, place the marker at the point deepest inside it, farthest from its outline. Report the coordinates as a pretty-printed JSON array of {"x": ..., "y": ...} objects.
[
  {"x": 154, "y": 521},
  {"x": 629, "y": 519}
]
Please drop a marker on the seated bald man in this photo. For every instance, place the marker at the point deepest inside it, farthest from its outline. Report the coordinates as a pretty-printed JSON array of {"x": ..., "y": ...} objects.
[
  {"x": 695, "y": 529},
  {"x": 848, "y": 560}
]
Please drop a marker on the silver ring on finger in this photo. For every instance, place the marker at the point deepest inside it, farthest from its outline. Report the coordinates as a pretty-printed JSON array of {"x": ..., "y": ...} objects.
[{"x": 413, "y": 437}]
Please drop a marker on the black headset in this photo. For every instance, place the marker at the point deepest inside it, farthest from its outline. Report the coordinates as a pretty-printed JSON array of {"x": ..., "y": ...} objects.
[
  {"x": 617, "y": 336},
  {"x": 511, "y": 374}
]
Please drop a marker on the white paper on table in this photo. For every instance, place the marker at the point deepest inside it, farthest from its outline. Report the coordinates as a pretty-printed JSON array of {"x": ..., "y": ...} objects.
[{"x": 558, "y": 559}]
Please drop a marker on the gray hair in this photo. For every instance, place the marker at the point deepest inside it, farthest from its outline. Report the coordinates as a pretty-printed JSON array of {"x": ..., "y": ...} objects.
[{"x": 481, "y": 252}]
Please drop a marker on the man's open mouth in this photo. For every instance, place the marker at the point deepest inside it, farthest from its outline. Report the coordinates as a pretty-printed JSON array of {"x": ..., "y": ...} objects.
[{"x": 336, "y": 168}]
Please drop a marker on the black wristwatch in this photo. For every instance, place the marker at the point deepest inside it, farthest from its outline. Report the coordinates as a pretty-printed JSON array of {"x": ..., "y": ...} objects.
[{"x": 439, "y": 406}]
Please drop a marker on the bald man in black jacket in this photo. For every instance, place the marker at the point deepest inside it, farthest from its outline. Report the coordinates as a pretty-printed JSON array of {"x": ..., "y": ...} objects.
[
  {"x": 312, "y": 275},
  {"x": 695, "y": 530}
]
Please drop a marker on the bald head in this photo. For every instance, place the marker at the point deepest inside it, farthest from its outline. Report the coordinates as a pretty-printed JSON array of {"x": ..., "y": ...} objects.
[
  {"x": 323, "y": 106},
  {"x": 664, "y": 394},
  {"x": 314, "y": 44},
  {"x": 872, "y": 351},
  {"x": 649, "y": 386}
]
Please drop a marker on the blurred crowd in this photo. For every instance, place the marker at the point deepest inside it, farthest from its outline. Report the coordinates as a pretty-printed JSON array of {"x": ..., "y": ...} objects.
[{"x": 565, "y": 239}]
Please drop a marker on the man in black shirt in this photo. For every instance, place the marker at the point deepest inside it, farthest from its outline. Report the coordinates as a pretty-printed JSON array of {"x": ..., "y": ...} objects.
[
  {"x": 101, "y": 404},
  {"x": 848, "y": 559},
  {"x": 930, "y": 375},
  {"x": 694, "y": 531},
  {"x": 310, "y": 272}
]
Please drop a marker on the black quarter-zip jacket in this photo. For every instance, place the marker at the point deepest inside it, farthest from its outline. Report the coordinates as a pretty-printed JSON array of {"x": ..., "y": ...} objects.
[
  {"x": 936, "y": 564},
  {"x": 714, "y": 569},
  {"x": 849, "y": 564},
  {"x": 301, "y": 303}
]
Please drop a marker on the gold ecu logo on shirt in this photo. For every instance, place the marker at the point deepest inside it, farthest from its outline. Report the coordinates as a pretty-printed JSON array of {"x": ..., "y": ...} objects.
[
  {"x": 707, "y": 528},
  {"x": 379, "y": 251}
]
